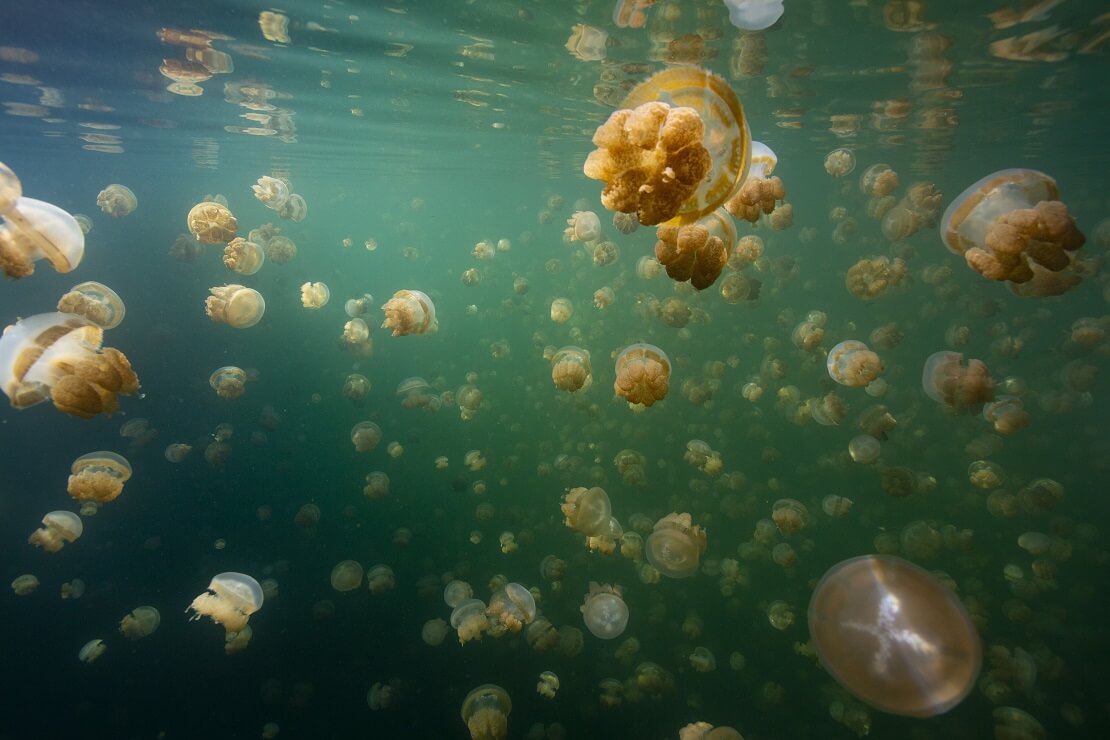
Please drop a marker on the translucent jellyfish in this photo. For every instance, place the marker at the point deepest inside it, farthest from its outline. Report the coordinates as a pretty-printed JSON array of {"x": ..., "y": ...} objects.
[
  {"x": 380, "y": 579},
  {"x": 1010, "y": 225},
  {"x": 271, "y": 191},
  {"x": 582, "y": 226},
  {"x": 279, "y": 249},
  {"x": 643, "y": 374},
  {"x": 355, "y": 387},
  {"x": 561, "y": 310},
  {"x": 294, "y": 209},
  {"x": 678, "y": 147},
  {"x": 754, "y": 15},
  {"x": 961, "y": 388},
  {"x": 548, "y": 685},
  {"x": 177, "y": 452},
  {"x": 570, "y": 369},
  {"x": 469, "y": 400},
  {"x": 469, "y": 620},
  {"x": 235, "y": 305},
  {"x": 878, "y": 181},
  {"x": 117, "y": 200},
  {"x": 212, "y": 223},
  {"x": 314, "y": 296},
  {"x": 434, "y": 632},
  {"x": 696, "y": 252},
  {"x": 852, "y": 364},
  {"x": 675, "y": 546},
  {"x": 346, "y": 576},
  {"x": 141, "y": 622},
  {"x": 790, "y": 515},
  {"x": 840, "y": 162},
  {"x": 377, "y": 485},
  {"x": 703, "y": 457},
  {"x": 864, "y": 449},
  {"x": 244, "y": 257},
  {"x": 485, "y": 710},
  {"x": 58, "y": 356},
  {"x": 836, "y": 506},
  {"x": 365, "y": 436},
  {"x": 59, "y": 527},
  {"x": 512, "y": 607},
  {"x": 872, "y": 277},
  {"x": 34, "y": 230},
  {"x": 98, "y": 476},
  {"x": 229, "y": 382},
  {"x": 894, "y": 635},
  {"x": 410, "y": 312},
  {"x": 587, "y": 510},
  {"x": 355, "y": 307},
  {"x": 604, "y": 297},
  {"x": 25, "y": 584},
  {"x": 1007, "y": 414},
  {"x": 96, "y": 302},
  {"x": 91, "y": 650},
  {"x": 604, "y": 611},
  {"x": 230, "y": 599},
  {"x": 757, "y": 196}
]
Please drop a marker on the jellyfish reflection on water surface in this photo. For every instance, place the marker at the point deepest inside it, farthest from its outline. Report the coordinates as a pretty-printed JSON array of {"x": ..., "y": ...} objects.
[{"x": 895, "y": 636}]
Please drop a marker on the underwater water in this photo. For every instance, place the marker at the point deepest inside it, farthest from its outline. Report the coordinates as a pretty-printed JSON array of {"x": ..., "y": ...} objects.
[{"x": 439, "y": 147}]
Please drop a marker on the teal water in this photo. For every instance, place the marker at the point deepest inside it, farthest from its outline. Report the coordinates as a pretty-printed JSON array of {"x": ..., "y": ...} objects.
[{"x": 429, "y": 127}]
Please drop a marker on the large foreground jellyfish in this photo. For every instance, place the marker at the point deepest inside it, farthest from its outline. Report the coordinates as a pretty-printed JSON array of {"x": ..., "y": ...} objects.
[
  {"x": 34, "y": 230},
  {"x": 485, "y": 710},
  {"x": 410, "y": 312},
  {"x": 678, "y": 148},
  {"x": 230, "y": 600},
  {"x": 894, "y": 635},
  {"x": 1011, "y": 226},
  {"x": 58, "y": 356},
  {"x": 643, "y": 374}
]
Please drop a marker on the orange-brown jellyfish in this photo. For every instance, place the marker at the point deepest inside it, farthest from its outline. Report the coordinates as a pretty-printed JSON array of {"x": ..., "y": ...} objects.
[
  {"x": 211, "y": 223},
  {"x": 96, "y": 302},
  {"x": 410, "y": 312},
  {"x": 230, "y": 600},
  {"x": 962, "y": 388},
  {"x": 696, "y": 252},
  {"x": 675, "y": 546},
  {"x": 570, "y": 369},
  {"x": 643, "y": 374},
  {"x": 98, "y": 476},
  {"x": 235, "y": 305}
]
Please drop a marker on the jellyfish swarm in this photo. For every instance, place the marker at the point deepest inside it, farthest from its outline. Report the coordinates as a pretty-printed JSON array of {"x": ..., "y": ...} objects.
[
  {"x": 410, "y": 312},
  {"x": 34, "y": 230},
  {"x": 485, "y": 710},
  {"x": 678, "y": 148},
  {"x": 59, "y": 356},
  {"x": 604, "y": 611},
  {"x": 961, "y": 388},
  {"x": 696, "y": 252},
  {"x": 894, "y": 635},
  {"x": 230, "y": 600},
  {"x": 1011, "y": 226},
  {"x": 643, "y": 374}
]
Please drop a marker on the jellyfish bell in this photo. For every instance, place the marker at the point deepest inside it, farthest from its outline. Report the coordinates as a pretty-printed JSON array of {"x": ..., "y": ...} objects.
[
  {"x": 410, "y": 312},
  {"x": 33, "y": 230},
  {"x": 571, "y": 370},
  {"x": 140, "y": 622},
  {"x": 754, "y": 15},
  {"x": 59, "y": 527},
  {"x": 485, "y": 710},
  {"x": 675, "y": 546},
  {"x": 587, "y": 510},
  {"x": 96, "y": 302},
  {"x": 894, "y": 635},
  {"x": 244, "y": 257},
  {"x": 230, "y": 600},
  {"x": 117, "y": 200},
  {"x": 98, "y": 476},
  {"x": 604, "y": 611},
  {"x": 235, "y": 305},
  {"x": 643, "y": 373},
  {"x": 852, "y": 364},
  {"x": 273, "y": 192},
  {"x": 315, "y": 296},
  {"x": 211, "y": 223}
]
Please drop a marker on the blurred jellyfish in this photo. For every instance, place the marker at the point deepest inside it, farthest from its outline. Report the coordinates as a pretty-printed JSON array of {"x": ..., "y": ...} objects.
[
  {"x": 365, "y": 436},
  {"x": 789, "y": 515},
  {"x": 561, "y": 310},
  {"x": 754, "y": 15},
  {"x": 91, "y": 650},
  {"x": 355, "y": 387},
  {"x": 840, "y": 162},
  {"x": 643, "y": 374},
  {"x": 25, "y": 584},
  {"x": 604, "y": 611},
  {"x": 1007, "y": 414},
  {"x": 864, "y": 449},
  {"x": 675, "y": 546},
  {"x": 434, "y": 632},
  {"x": 377, "y": 485},
  {"x": 141, "y": 622},
  {"x": 294, "y": 209},
  {"x": 380, "y": 579},
  {"x": 346, "y": 576},
  {"x": 229, "y": 382},
  {"x": 961, "y": 388}
]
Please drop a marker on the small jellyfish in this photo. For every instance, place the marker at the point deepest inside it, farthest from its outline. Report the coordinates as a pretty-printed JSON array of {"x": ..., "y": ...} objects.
[
  {"x": 34, "y": 230},
  {"x": 583, "y": 226},
  {"x": 377, "y": 485},
  {"x": 380, "y": 579},
  {"x": 346, "y": 575},
  {"x": 355, "y": 387},
  {"x": 434, "y": 632},
  {"x": 604, "y": 611},
  {"x": 117, "y": 200},
  {"x": 294, "y": 209},
  {"x": 235, "y": 305},
  {"x": 91, "y": 650},
  {"x": 852, "y": 364},
  {"x": 840, "y": 162},
  {"x": 279, "y": 249},
  {"x": 365, "y": 436},
  {"x": 894, "y": 635},
  {"x": 271, "y": 191},
  {"x": 212, "y": 223},
  {"x": 485, "y": 711},
  {"x": 59, "y": 527},
  {"x": 410, "y": 312},
  {"x": 98, "y": 476},
  {"x": 314, "y": 296},
  {"x": 96, "y": 302},
  {"x": 703, "y": 661},
  {"x": 141, "y": 622},
  {"x": 675, "y": 546},
  {"x": 456, "y": 592},
  {"x": 230, "y": 599},
  {"x": 790, "y": 515},
  {"x": 570, "y": 369},
  {"x": 244, "y": 257},
  {"x": 643, "y": 374},
  {"x": 512, "y": 607},
  {"x": 548, "y": 685},
  {"x": 864, "y": 449}
]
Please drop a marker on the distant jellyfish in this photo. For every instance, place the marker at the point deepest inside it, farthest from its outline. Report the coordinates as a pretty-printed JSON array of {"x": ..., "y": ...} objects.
[
  {"x": 513, "y": 607},
  {"x": 587, "y": 510},
  {"x": 864, "y": 449},
  {"x": 96, "y": 302},
  {"x": 279, "y": 249},
  {"x": 273, "y": 192},
  {"x": 235, "y": 305},
  {"x": 790, "y": 515},
  {"x": 840, "y": 162},
  {"x": 91, "y": 650},
  {"x": 365, "y": 436},
  {"x": 229, "y": 382},
  {"x": 561, "y": 310},
  {"x": 675, "y": 546},
  {"x": 59, "y": 527},
  {"x": 410, "y": 312},
  {"x": 604, "y": 611},
  {"x": 643, "y": 374},
  {"x": 754, "y": 15},
  {"x": 894, "y": 635},
  {"x": 141, "y": 622},
  {"x": 230, "y": 599},
  {"x": 380, "y": 579},
  {"x": 346, "y": 576},
  {"x": 98, "y": 476},
  {"x": 294, "y": 209},
  {"x": 547, "y": 685},
  {"x": 355, "y": 387},
  {"x": 485, "y": 710},
  {"x": 434, "y": 632},
  {"x": 583, "y": 226},
  {"x": 34, "y": 230},
  {"x": 377, "y": 485},
  {"x": 117, "y": 200},
  {"x": 851, "y": 363},
  {"x": 570, "y": 369},
  {"x": 211, "y": 223}
]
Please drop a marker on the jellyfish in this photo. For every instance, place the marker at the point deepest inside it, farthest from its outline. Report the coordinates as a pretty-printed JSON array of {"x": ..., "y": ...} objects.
[
  {"x": 570, "y": 369},
  {"x": 512, "y": 607},
  {"x": 864, "y": 449},
  {"x": 355, "y": 307},
  {"x": 410, "y": 312},
  {"x": 314, "y": 296},
  {"x": 34, "y": 230},
  {"x": 279, "y": 249},
  {"x": 583, "y": 226},
  {"x": 587, "y": 510},
  {"x": 678, "y": 147},
  {"x": 963, "y": 389},
  {"x": 94, "y": 301},
  {"x": 790, "y": 515},
  {"x": 58, "y": 356},
  {"x": 703, "y": 457},
  {"x": 696, "y": 252},
  {"x": 1007, "y": 414},
  {"x": 117, "y": 200},
  {"x": 346, "y": 576},
  {"x": 230, "y": 599},
  {"x": 840, "y": 162},
  {"x": 229, "y": 382},
  {"x": 91, "y": 650},
  {"x": 643, "y": 374},
  {"x": 604, "y": 611},
  {"x": 235, "y": 305},
  {"x": 379, "y": 579},
  {"x": 754, "y": 15},
  {"x": 271, "y": 191},
  {"x": 98, "y": 476},
  {"x": 548, "y": 685},
  {"x": 433, "y": 632},
  {"x": 211, "y": 223},
  {"x": 878, "y": 181},
  {"x": 485, "y": 711},
  {"x": 468, "y": 618},
  {"x": 561, "y": 310},
  {"x": 469, "y": 400},
  {"x": 852, "y": 364},
  {"x": 294, "y": 209},
  {"x": 1011, "y": 226},
  {"x": 355, "y": 387},
  {"x": 894, "y": 635},
  {"x": 141, "y": 622},
  {"x": 377, "y": 485},
  {"x": 243, "y": 257},
  {"x": 365, "y": 436},
  {"x": 758, "y": 195},
  {"x": 871, "y": 277},
  {"x": 675, "y": 546},
  {"x": 59, "y": 527}
]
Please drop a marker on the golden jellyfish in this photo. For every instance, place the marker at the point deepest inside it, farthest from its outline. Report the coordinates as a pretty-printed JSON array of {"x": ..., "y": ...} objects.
[
  {"x": 604, "y": 297},
  {"x": 33, "y": 230},
  {"x": 756, "y": 197},
  {"x": 377, "y": 485},
  {"x": 643, "y": 374},
  {"x": 696, "y": 252},
  {"x": 117, "y": 200},
  {"x": 346, "y": 576},
  {"x": 485, "y": 711},
  {"x": 272, "y": 192},
  {"x": 365, "y": 436},
  {"x": 1011, "y": 226},
  {"x": 58, "y": 356},
  {"x": 878, "y": 181},
  {"x": 840, "y": 162},
  {"x": 587, "y": 510},
  {"x": 469, "y": 400},
  {"x": 918, "y": 208},
  {"x": 789, "y": 515},
  {"x": 512, "y": 607},
  {"x": 410, "y": 312},
  {"x": 294, "y": 209},
  {"x": 561, "y": 310},
  {"x": 91, "y": 650},
  {"x": 229, "y": 382},
  {"x": 96, "y": 302},
  {"x": 852, "y": 364},
  {"x": 235, "y": 305},
  {"x": 582, "y": 226},
  {"x": 675, "y": 546},
  {"x": 678, "y": 147},
  {"x": 468, "y": 618},
  {"x": 961, "y": 388},
  {"x": 211, "y": 223},
  {"x": 98, "y": 476},
  {"x": 140, "y": 622},
  {"x": 570, "y": 369},
  {"x": 314, "y": 296},
  {"x": 895, "y": 636},
  {"x": 871, "y": 277},
  {"x": 604, "y": 611},
  {"x": 59, "y": 527},
  {"x": 230, "y": 600},
  {"x": 243, "y": 257}
]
